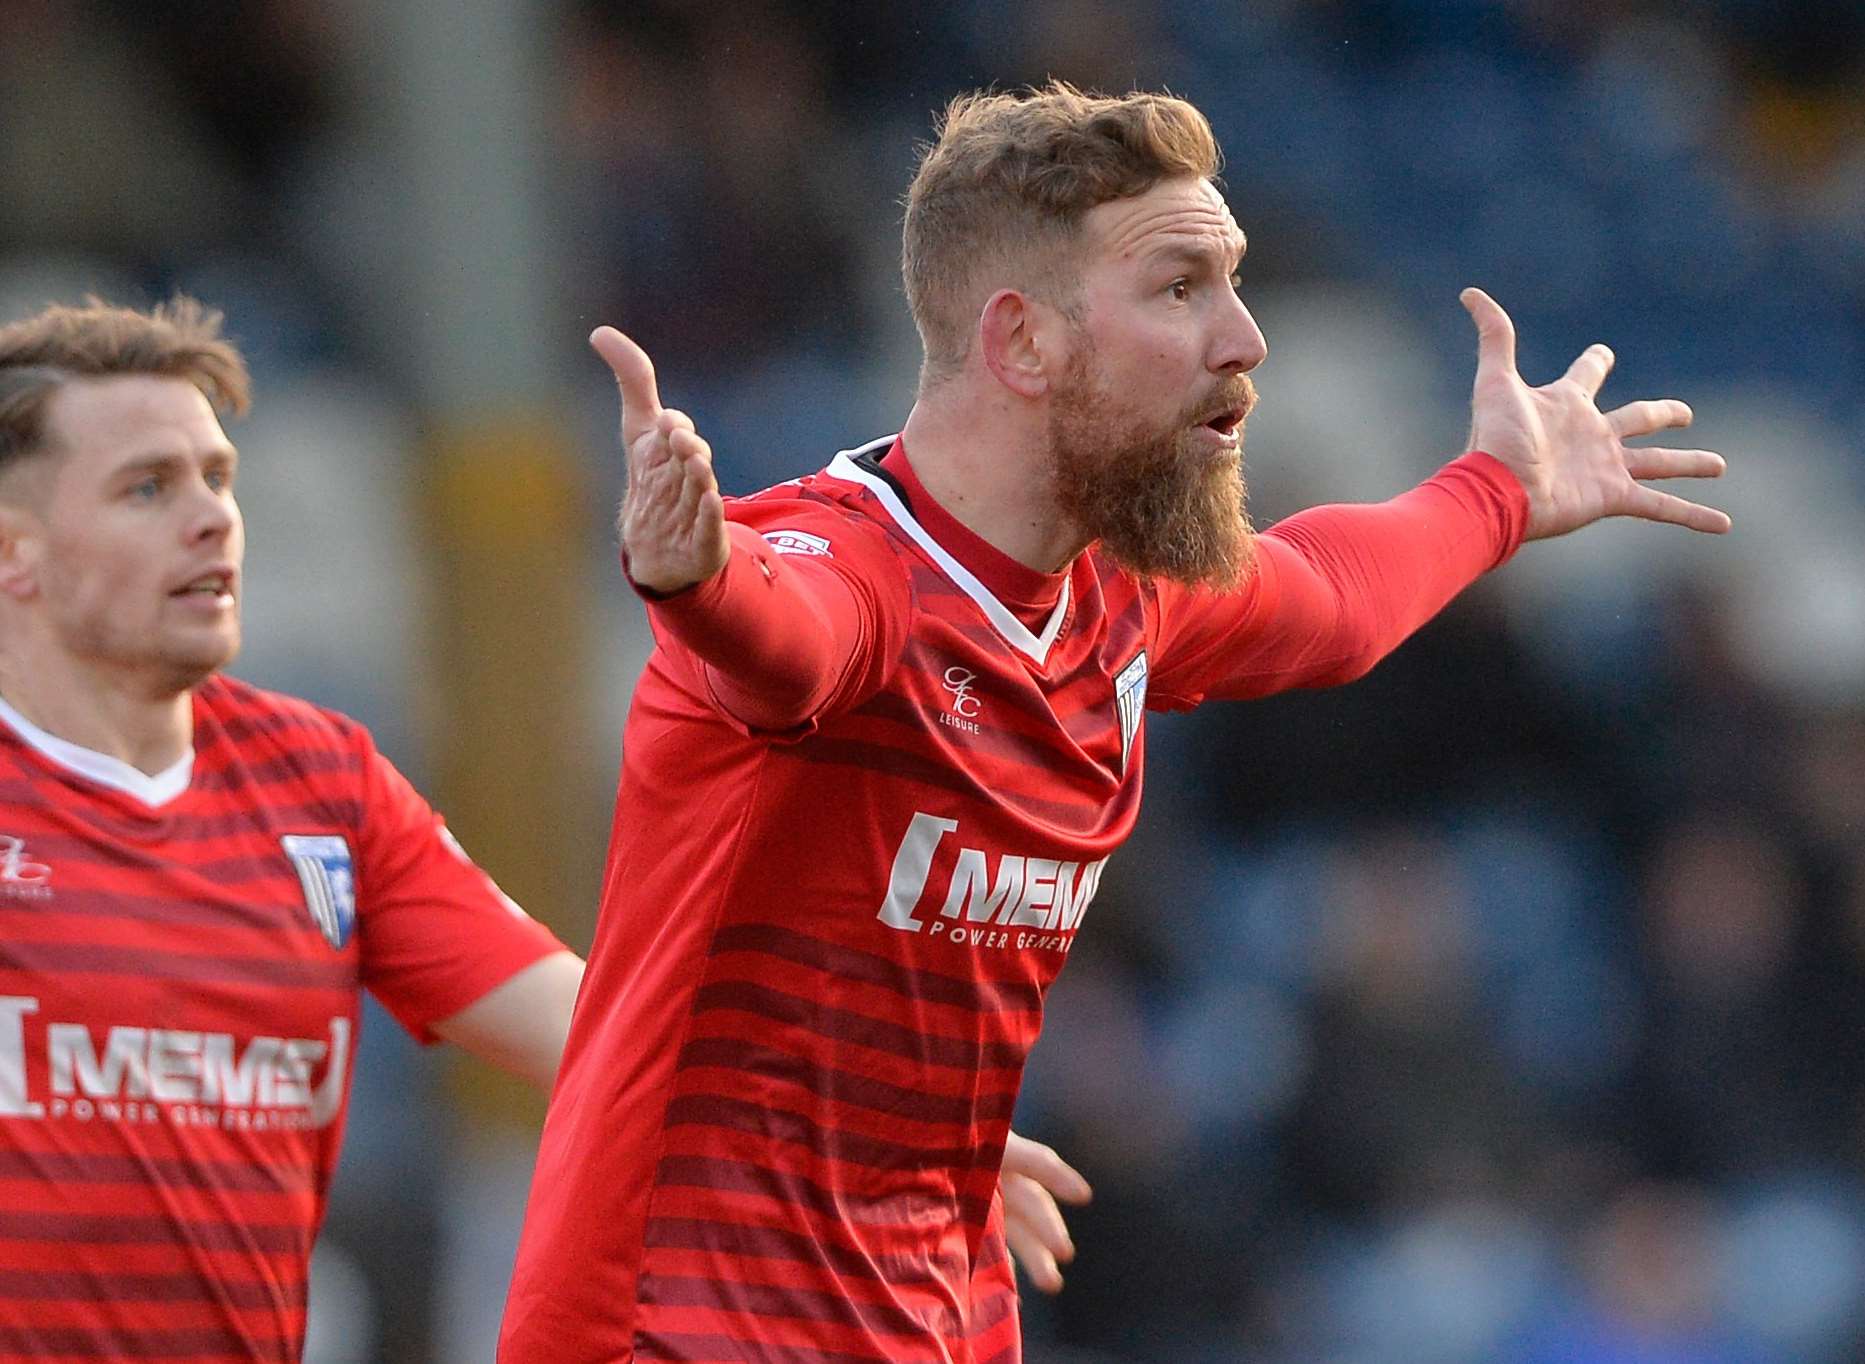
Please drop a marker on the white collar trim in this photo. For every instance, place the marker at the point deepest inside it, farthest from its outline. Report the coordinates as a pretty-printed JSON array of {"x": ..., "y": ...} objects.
[
  {"x": 103, "y": 769},
  {"x": 1003, "y": 620}
]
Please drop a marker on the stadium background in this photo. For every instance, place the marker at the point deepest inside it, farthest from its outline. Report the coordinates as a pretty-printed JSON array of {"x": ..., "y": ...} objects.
[{"x": 1502, "y": 1007}]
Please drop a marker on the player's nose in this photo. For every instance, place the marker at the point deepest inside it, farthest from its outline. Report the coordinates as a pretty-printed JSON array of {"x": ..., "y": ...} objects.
[
  {"x": 1239, "y": 346},
  {"x": 211, "y": 515}
]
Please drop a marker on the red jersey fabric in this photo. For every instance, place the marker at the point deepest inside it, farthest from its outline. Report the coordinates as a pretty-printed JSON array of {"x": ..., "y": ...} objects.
[
  {"x": 824, "y": 945},
  {"x": 178, "y": 1011}
]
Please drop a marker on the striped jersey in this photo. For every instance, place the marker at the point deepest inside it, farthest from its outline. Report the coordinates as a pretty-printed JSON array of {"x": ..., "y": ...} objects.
[
  {"x": 180, "y": 962},
  {"x": 822, "y": 953}
]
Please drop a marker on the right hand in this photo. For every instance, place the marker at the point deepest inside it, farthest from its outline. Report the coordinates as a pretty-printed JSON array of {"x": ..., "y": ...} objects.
[
  {"x": 672, "y": 518},
  {"x": 1033, "y": 1177}
]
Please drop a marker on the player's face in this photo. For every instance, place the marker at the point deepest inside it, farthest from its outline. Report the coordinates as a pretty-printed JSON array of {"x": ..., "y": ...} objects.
[
  {"x": 140, "y": 540},
  {"x": 1146, "y": 425}
]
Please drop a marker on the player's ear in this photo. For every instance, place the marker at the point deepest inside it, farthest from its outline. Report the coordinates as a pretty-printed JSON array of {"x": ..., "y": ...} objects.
[
  {"x": 1011, "y": 340},
  {"x": 22, "y": 542}
]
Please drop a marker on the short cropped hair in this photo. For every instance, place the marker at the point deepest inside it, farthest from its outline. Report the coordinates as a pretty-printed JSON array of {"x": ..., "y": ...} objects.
[
  {"x": 1001, "y": 192},
  {"x": 40, "y": 354}
]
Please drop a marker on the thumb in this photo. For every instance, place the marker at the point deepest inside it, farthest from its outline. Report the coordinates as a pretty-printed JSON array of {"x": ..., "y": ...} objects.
[
  {"x": 634, "y": 375},
  {"x": 1495, "y": 333}
]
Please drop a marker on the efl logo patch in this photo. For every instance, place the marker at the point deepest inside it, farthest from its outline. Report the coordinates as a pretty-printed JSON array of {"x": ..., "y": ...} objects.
[
  {"x": 798, "y": 542},
  {"x": 1130, "y": 700},
  {"x": 322, "y": 862}
]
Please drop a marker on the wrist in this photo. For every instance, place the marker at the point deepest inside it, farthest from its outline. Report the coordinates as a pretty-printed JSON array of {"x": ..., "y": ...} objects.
[{"x": 654, "y": 588}]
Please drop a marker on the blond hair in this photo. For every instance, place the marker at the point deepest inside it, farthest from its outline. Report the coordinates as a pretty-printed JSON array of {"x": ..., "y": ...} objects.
[
  {"x": 40, "y": 354},
  {"x": 1001, "y": 192}
]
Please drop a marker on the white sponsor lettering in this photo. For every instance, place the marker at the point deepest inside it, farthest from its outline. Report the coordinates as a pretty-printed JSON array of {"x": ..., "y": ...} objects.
[
  {"x": 174, "y": 1065},
  {"x": 13, "y": 1100},
  {"x": 977, "y": 891},
  {"x": 196, "y": 1077},
  {"x": 1040, "y": 875},
  {"x": 1018, "y": 892},
  {"x": 912, "y": 863},
  {"x": 225, "y": 1081},
  {"x": 76, "y": 1067}
]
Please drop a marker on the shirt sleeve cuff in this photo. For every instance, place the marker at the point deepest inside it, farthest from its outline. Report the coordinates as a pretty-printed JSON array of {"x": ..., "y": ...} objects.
[
  {"x": 1484, "y": 482},
  {"x": 700, "y": 595}
]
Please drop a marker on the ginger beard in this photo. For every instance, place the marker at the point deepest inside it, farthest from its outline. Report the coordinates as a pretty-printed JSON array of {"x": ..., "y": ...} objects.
[{"x": 1159, "y": 503}]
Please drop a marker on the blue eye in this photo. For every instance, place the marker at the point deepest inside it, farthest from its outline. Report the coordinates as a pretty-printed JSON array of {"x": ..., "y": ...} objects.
[{"x": 146, "y": 489}]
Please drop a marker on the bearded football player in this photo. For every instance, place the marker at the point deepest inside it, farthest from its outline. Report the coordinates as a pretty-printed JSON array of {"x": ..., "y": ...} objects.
[{"x": 894, "y": 728}]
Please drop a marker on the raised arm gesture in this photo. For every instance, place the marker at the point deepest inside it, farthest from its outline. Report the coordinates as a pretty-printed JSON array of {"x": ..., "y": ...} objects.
[
  {"x": 1572, "y": 458},
  {"x": 672, "y": 518}
]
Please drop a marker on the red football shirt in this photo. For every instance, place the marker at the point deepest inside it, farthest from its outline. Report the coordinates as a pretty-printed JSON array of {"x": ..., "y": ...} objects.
[
  {"x": 823, "y": 951},
  {"x": 180, "y": 961}
]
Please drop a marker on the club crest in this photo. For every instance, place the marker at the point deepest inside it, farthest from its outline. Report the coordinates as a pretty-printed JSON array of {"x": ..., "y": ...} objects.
[
  {"x": 1130, "y": 701},
  {"x": 322, "y": 862}
]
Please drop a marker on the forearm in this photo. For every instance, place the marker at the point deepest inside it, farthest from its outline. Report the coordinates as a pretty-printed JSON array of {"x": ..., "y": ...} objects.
[
  {"x": 773, "y": 638},
  {"x": 520, "y": 1026},
  {"x": 1358, "y": 580}
]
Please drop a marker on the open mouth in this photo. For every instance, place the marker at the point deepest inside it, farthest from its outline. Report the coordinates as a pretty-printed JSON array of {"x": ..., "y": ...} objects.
[
  {"x": 1226, "y": 423},
  {"x": 207, "y": 585}
]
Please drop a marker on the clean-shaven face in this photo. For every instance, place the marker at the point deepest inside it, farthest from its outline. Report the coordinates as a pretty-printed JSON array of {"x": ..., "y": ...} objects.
[
  {"x": 137, "y": 570},
  {"x": 1146, "y": 423}
]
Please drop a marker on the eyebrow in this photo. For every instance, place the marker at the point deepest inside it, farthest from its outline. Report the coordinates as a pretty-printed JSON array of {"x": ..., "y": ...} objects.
[
  {"x": 1199, "y": 255},
  {"x": 158, "y": 460}
]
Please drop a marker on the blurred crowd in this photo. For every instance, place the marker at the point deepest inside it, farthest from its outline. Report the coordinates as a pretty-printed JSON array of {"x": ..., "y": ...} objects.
[
  {"x": 1480, "y": 1017},
  {"x": 1501, "y": 1007}
]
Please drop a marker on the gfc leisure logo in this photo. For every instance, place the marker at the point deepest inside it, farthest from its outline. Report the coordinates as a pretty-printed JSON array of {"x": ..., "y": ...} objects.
[
  {"x": 963, "y": 711},
  {"x": 21, "y": 878}
]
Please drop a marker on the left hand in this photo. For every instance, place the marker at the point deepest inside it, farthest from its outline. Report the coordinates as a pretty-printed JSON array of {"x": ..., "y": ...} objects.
[
  {"x": 1572, "y": 458},
  {"x": 1032, "y": 1179},
  {"x": 672, "y": 519}
]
